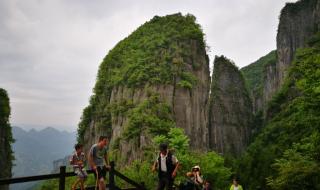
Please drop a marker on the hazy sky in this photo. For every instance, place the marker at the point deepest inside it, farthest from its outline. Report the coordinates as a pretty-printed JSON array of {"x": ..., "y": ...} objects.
[{"x": 50, "y": 50}]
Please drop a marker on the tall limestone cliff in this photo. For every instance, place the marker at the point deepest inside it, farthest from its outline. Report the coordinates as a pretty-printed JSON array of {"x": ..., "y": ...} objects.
[
  {"x": 156, "y": 78},
  {"x": 292, "y": 116},
  {"x": 5, "y": 138},
  {"x": 287, "y": 148},
  {"x": 230, "y": 112},
  {"x": 298, "y": 21}
]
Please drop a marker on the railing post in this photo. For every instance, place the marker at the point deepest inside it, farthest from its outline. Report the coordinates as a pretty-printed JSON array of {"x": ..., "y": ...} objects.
[
  {"x": 62, "y": 179},
  {"x": 143, "y": 185},
  {"x": 111, "y": 176}
]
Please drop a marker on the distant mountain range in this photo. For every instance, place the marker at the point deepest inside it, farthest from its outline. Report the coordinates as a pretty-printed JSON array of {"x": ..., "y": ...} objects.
[{"x": 35, "y": 151}]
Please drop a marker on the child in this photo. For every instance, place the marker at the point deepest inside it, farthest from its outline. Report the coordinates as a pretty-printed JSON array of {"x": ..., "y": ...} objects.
[
  {"x": 77, "y": 161},
  {"x": 235, "y": 185}
]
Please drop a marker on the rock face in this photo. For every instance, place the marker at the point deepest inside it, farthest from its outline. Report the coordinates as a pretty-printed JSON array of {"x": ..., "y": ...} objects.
[
  {"x": 230, "y": 112},
  {"x": 5, "y": 138},
  {"x": 156, "y": 78},
  {"x": 298, "y": 21},
  {"x": 255, "y": 79}
]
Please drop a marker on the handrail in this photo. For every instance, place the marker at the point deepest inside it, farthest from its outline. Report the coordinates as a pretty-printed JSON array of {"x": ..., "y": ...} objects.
[
  {"x": 63, "y": 174},
  {"x": 36, "y": 177},
  {"x": 123, "y": 177},
  {"x": 28, "y": 178}
]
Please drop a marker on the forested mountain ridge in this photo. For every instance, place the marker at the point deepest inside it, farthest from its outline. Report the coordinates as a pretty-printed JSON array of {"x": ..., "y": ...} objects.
[
  {"x": 6, "y": 139},
  {"x": 287, "y": 149},
  {"x": 255, "y": 76},
  {"x": 284, "y": 154},
  {"x": 298, "y": 22},
  {"x": 36, "y": 150}
]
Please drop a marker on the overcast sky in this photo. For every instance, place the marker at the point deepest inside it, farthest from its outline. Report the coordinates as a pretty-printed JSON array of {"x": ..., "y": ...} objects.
[{"x": 50, "y": 50}]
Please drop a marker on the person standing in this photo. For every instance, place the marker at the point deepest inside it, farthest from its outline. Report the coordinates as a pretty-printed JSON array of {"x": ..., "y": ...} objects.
[
  {"x": 77, "y": 161},
  {"x": 167, "y": 165},
  {"x": 235, "y": 185},
  {"x": 99, "y": 162}
]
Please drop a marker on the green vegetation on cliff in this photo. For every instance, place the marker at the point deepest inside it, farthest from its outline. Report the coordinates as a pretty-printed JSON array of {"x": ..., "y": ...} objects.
[
  {"x": 158, "y": 52},
  {"x": 152, "y": 115},
  {"x": 285, "y": 155},
  {"x": 6, "y": 153},
  {"x": 150, "y": 54},
  {"x": 254, "y": 73}
]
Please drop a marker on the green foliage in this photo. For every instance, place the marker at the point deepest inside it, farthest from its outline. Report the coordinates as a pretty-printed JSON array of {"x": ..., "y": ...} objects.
[
  {"x": 254, "y": 73},
  {"x": 85, "y": 122},
  {"x": 176, "y": 139},
  {"x": 187, "y": 81},
  {"x": 294, "y": 115},
  {"x": 149, "y": 53},
  {"x": 54, "y": 184},
  {"x": 5, "y": 107},
  {"x": 6, "y": 136},
  {"x": 212, "y": 165},
  {"x": 299, "y": 167},
  {"x": 152, "y": 115},
  {"x": 140, "y": 171},
  {"x": 121, "y": 107},
  {"x": 158, "y": 52}
]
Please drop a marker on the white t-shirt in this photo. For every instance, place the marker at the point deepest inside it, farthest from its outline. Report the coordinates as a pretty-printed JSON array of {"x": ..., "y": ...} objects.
[
  {"x": 235, "y": 188},
  {"x": 163, "y": 161}
]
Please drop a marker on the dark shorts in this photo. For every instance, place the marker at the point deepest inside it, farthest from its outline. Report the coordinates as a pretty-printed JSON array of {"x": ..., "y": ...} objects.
[
  {"x": 165, "y": 182},
  {"x": 102, "y": 172}
]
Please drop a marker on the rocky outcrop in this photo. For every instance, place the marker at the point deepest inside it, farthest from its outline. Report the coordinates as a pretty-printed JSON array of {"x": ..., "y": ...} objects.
[
  {"x": 298, "y": 21},
  {"x": 189, "y": 111},
  {"x": 5, "y": 138},
  {"x": 163, "y": 64},
  {"x": 230, "y": 112}
]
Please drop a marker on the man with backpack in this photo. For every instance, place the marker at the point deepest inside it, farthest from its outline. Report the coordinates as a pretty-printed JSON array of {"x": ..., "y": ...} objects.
[{"x": 167, "y": 165}]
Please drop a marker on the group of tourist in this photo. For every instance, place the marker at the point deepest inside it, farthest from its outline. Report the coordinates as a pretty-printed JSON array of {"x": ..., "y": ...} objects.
[
  {"x": 98, "y": 161},
  {"x": 166, "y": 165}
]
